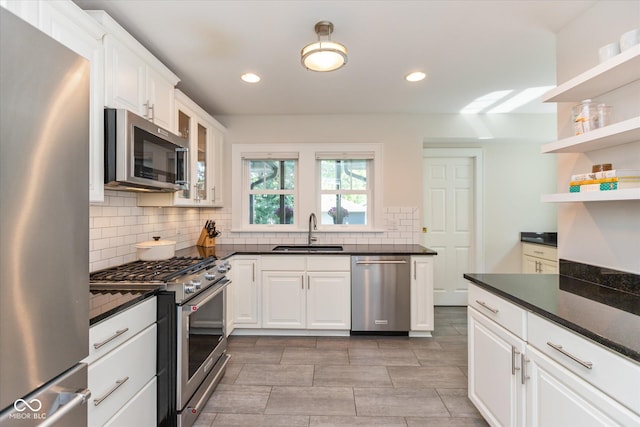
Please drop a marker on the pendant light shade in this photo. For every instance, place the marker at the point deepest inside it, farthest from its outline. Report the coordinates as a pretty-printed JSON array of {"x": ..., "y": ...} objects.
[{"x": 324, "y": 55}]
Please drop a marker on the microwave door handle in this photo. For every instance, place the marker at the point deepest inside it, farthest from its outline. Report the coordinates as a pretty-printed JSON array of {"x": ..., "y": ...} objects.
[{"x": 182, "y": 178}]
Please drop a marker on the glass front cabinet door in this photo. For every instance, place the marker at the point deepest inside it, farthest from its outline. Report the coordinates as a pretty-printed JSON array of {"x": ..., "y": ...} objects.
[{"x": 204, "y": 137}]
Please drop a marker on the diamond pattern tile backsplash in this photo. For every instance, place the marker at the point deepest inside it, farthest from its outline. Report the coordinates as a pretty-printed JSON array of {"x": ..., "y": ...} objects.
[{"x": 117, "y": 224}]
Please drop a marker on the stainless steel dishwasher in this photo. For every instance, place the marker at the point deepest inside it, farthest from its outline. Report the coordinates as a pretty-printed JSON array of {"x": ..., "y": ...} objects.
[{"x": 380, "y": 294}]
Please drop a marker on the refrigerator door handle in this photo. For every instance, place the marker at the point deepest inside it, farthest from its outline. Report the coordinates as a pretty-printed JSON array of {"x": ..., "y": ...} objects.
[{"x": 65, "y": 403}]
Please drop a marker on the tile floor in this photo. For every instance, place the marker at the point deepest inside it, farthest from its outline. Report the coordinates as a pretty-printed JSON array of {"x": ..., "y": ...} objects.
[{"x": 347, "y": 381}]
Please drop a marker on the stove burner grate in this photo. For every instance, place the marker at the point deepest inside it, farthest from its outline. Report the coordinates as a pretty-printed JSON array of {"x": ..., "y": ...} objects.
[{"x": 160, "y": 271}]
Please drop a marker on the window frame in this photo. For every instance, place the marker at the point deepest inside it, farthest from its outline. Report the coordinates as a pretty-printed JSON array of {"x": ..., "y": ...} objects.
[
  {"x": 368, "y": 192},
  {"x": 307, "y": 185},
  {"x": 247, "y": 158}
]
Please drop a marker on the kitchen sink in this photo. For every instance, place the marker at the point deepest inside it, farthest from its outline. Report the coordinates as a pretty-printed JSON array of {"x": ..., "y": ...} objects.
[{"x": 308, "y": 248}]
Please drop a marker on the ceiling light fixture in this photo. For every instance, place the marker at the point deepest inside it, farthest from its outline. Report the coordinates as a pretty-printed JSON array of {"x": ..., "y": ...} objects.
[
  {"x": 324, "y": 55},
  {"x": 250, "y": 78},
  {"x": 416, "y": 76}
]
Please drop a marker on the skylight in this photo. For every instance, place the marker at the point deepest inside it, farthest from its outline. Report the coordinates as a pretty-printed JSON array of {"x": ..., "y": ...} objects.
[
  {"x": 519, "y": 99},
  {"x": 485, "y": 101}
]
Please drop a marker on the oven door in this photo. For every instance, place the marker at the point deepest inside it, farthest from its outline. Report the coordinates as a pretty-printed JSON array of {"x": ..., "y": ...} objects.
[{"x": 201, "y": 339}]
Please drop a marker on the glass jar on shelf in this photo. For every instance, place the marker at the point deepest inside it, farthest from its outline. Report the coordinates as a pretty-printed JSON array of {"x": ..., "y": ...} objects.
[{"x": 585, "y": 117}]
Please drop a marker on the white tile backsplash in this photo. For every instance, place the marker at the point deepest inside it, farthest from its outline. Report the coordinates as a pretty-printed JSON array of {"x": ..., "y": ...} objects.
[{"x": 117, "y": 224}]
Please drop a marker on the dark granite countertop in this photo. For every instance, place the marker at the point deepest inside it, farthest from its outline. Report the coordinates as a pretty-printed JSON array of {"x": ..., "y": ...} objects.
[
  {"x": 547, "y": 238},
  {"x": 604, "y": 315},
  {"x": 225, "y": 251},
  {"x": 107, "y": 300}
]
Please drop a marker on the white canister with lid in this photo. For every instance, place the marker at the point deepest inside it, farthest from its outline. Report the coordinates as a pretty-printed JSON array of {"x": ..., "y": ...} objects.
[
  {"x": 156, "y": 249},
  {"x": 585, "y": 117}
]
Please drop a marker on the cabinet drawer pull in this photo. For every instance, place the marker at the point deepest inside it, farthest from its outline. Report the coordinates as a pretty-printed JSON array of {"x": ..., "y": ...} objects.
[
  {"x": 99, "y": 400},
  {"x": 484, "y": 304},
  {"x": 558, "y": 347},
  {"x": 513, "y": 360},
  {"x": 111, "y": 338},
  {"x": 523, "y": 369}
]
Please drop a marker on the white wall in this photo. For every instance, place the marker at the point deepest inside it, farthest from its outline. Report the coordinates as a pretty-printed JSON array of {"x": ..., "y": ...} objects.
[
  {"x": 516, "y": 173},
  {"x": 603, "y": 233}
]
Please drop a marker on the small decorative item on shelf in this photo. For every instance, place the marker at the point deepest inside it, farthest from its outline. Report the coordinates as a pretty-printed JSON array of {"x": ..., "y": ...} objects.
[
  {"x": 608, "y": 51},
  {"x": 629, "y": 39},
  {"x": 338, "y": 216},
  {"x": 604, "y": 115},
  {"x": 585, "y": 117},
  {"x": 601, "y": 167},
  {"x": 208, "y": 234},
  {"x": 603, "y": 178}
]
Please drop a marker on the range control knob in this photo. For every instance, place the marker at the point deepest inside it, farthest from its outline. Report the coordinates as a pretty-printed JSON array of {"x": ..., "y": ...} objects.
[
  {"x": 209, "y": 276},
  {"x": 196, "y": 283},
  {"x": 189, "y": 289},
  {"x": 223, "y": 268}
]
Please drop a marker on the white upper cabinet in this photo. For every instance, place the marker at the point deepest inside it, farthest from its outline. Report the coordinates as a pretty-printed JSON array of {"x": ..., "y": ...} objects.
[
  {"x": 68, "y": 24},
  {"x": 134, "y": 78},
  {"x": 204, "y": 137}
]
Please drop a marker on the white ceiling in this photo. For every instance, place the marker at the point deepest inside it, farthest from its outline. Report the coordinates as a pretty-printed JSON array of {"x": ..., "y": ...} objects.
[{"x": 467, "y": 48}]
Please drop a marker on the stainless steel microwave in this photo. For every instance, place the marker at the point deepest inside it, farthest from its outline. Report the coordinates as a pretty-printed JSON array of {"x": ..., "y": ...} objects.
[{"x": 141, "y": 156}]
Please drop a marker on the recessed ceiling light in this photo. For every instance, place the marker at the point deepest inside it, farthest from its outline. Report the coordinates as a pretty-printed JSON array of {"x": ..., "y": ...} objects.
[
  {"x": 250, "y": 78},
  {"x": 520, "y": 99},
  {"x": 416, "y": 76}
]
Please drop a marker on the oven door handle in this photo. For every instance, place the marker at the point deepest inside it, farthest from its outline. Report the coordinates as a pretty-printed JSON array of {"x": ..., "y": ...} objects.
[{"x": 201, "y": 300}]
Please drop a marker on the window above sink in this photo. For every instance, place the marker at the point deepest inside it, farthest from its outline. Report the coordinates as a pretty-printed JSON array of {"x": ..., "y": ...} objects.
[{"x": 277, "y": 186}]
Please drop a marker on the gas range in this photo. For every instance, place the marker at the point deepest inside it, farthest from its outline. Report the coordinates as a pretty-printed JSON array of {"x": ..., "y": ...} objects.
[{"x": 186, "y": 276}]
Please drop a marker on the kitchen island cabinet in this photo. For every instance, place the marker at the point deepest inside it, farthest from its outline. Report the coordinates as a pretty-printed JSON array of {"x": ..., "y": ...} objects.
[
  {"x": 494, "y": 371},
  {"x": 548, "y": 351}
]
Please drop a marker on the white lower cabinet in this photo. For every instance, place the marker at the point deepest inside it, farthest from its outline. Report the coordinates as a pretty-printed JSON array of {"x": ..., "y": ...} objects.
[
  {"x": 122, "y": 368},
  {"x": 283, "y": 299},
  {"x": 495, "y": 361},
  {"x": 539, "y": 259},
  {"x": 328, "y": 300},
  {"x": 134, "y": 413},
  {"x": 525, "y": 370},
  {"x": 421, "y": 293},
  {"x": 306, "y": 292},
  {"x": 558, "y": 398},
  {"x": 246, "y": 295}
]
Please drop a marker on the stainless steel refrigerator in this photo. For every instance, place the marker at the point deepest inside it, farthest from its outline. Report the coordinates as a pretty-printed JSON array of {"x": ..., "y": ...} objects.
[{"x": 44, "y": 228}]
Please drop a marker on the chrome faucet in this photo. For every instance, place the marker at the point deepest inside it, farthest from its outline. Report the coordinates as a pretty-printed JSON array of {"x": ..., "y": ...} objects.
[{"x": 313, "y": 225}]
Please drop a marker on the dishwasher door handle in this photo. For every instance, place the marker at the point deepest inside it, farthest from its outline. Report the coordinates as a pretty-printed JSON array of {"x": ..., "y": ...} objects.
[{"x": 401, "y": 261}]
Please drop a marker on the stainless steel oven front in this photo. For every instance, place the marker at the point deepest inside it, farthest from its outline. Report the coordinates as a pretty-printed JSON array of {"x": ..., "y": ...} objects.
[{"x": 202, "y": 342}]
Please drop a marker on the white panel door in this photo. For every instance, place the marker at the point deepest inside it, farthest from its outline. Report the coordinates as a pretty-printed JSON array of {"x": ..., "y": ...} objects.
[{"x": 449, "y": 218}]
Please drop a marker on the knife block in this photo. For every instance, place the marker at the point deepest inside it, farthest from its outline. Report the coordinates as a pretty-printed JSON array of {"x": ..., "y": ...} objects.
[{"x": 205, "y": 241}]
